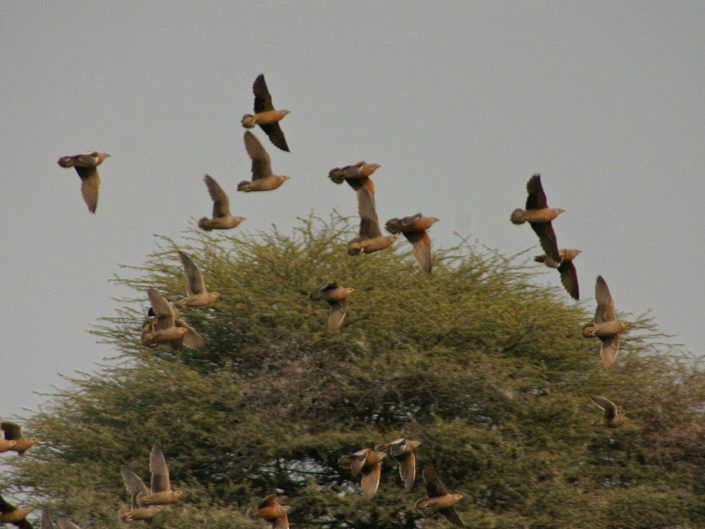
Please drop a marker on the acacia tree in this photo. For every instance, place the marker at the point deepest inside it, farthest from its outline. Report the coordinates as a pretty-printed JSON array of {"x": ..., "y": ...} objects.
[{"x": 487, "y": 369}]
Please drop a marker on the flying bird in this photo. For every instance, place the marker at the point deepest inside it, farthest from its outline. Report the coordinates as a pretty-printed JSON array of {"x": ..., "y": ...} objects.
[
  {"x": 15, "y": 515},
  {"x": 354, "y": 174},
  {"x": 163, "y": 326},
  {"x": 606, "y": 326},
  {"x": 161, "y": 492},
  {"x": 438, "y": 498},
  {"x": 402, "y": 450},
  {"x": 566, "y": 268},
  {"x": 136, "y": 487},
  {"x": 85, "y": 164},
  {"x": 63, "y": 523},
  {"x": 198, "y": 295},
  {"x": 414, "y": 229},
  {"x": 367, "y": 462},
  {"x": 611, "y": 418},
  {"x": 265, "y": 115},
  {"x": 539, "y": 216},
  {"x": 337, "y": 297},
  {"x": 13, "y": 433},
  {"x": 222, "y": 218},
  {"x": 262, "y": 177},
  {"x": 273, "y": 512},
  {"x": 5, "y": 444}
]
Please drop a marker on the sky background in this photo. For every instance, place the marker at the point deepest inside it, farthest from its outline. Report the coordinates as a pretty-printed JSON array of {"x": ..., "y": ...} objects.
[{"x": 460, "y": 102}]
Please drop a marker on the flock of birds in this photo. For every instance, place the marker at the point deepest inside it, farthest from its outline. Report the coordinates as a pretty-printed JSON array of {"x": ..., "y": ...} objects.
[{"x": 162, "y": 326}]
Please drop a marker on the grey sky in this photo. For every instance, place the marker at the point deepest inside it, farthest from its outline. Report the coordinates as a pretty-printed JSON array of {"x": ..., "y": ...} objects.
[{"x": 459, "y": 102}]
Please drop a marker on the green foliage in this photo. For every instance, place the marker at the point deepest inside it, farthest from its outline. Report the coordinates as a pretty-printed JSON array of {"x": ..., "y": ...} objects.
[{"x": 488, "y": 370}]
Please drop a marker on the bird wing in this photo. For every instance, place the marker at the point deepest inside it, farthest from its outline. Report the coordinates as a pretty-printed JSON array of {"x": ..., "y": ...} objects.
[
  {"x": 421, "y": 247},
  {"x": 609, "y": 407},
  {"x": 370, "y": 480},
  {"x": 338, "y": 309},
  {"x": 12, "y": 431},
  {"x": 276, "y": 135},
  {"x": 133, "y": 483},
  {"x": 261, "y": 164},
  {"x": 407, "y": 469},
  {"x": 536, "y": 198},
  {"x": 45, "y": 522},
  {"x": 434, "y": 487},
  {"x": 269, "y": 501},
  {"x": 221, "y": 201},
  {"x": 66, "y": 524},
  {"x": 191, "y": 339},
  {"x": 358, "y": 461},
  {"x": 90, "y": 183},
  {"x": 5, "y": 506},
  {"x": 609, "y": 349},
  {"x": 547, "y": 238},
  {"x": 162, "y": 309},
  {"x": 159, "y": 469},
  {"x": 569, "y": 278},
  {"x": 282, "y": 522},
  {"x": 196, "y": 285},
  {"x": 452, "y": 515},
  {"x": 263, "y": 100},
  {"x": 605, "y": 303},
  {"x": 369, "y": 222}
]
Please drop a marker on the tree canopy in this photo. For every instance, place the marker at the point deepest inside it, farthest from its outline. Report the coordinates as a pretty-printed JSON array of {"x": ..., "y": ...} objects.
[{"x": 485, "y": 367}]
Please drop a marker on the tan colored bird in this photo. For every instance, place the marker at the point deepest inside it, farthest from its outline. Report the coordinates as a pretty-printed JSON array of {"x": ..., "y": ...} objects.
[
  {"x": 161, "y": 492},
  {"x": 354, "y": 174},
  {"x": 13, "y": 432},
  {"x": 163, "y": 326},
  {"x": 414, "y": 229},
  {"x": 198, "y": 295},
  {"x": 273, "y": 512},
  {"x": 262, "y": 177},
  {"x": 611, "y": 417},
  {"x": 402, "y": 450},
  {"x": 367, "y": 462},
  {"x": 85, "y": 164},
  {"x": 266, "y": 116},
  {"x": 15, "y": 515},
  {"x": 222, "y": 218},
  {"x": 606, "y": 326},
  {"x": 438, "y": 498},
  {"x": 566, "y": 268},
  {"x": 539, "y": 216},
  {"x": 136, "y": 487},
  {"x": 337, "y": 297}
]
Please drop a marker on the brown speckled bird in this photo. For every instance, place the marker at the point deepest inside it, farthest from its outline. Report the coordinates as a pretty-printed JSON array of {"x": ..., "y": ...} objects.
[
  {"x": 368, "y": 462},
  {"x": 354, "y": 174},
  {"x": 161, "y": 492},
  {"x": 222, "y": 218},
  {"x": 136, "y": 487},
  {"x": 265, "y": 114},
  {"x": 438, "y": 498},
  {"x": 13, "y": 432},
  {"x": 539, "y": 216},
  {"x": 198, "y": 295},
  {"x": 262, "y": 177},
  {"x": 566, "y": 268},
  {"x": 273, "y": 512},
  {"x": 606, "y": 326},
  {"x": 611, "y": 418},
  {"x": 14, "y": 515},
  {"x": 163, "y": 326},
  {"x": 414, "y": 229},
  {"x": 402, "y": 450},
  {"x": 85, "y": 164},
  {"x": 337, "y": 297}
]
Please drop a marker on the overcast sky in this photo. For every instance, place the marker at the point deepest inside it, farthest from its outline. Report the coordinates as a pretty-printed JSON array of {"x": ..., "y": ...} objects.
[{"x": 460, "y": 102}]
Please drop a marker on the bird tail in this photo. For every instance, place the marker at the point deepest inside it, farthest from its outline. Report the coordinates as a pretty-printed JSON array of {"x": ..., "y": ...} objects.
[
  {"x": 337, "y": 175},
  {"x": 248, "y": 121},
  {"x": 243, "y": 186},
  {"x": 67, "y": 161},
  {"x": 518, "y": 216},
  {"x": 588, "y": 330},
  {"x": 203, "y": 224},
  {"x": 345, "y": 461}
]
